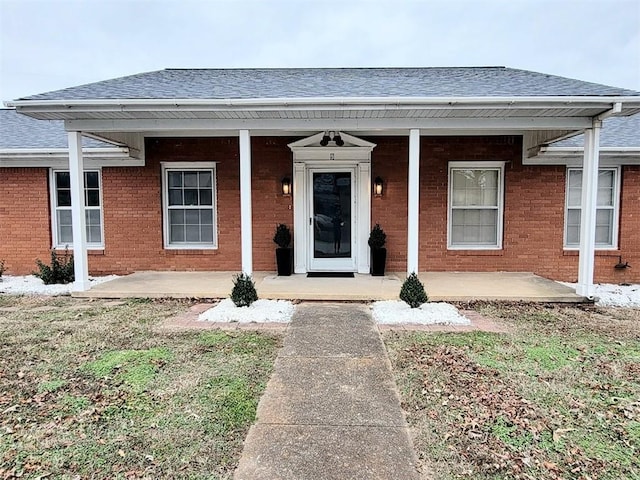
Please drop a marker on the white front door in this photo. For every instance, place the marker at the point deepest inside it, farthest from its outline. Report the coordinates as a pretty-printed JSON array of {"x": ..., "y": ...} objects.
[{"x": 333, "y": 222}]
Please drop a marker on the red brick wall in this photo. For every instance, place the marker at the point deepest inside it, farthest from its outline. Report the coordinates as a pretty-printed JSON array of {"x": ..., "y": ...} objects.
[
  {"x": 25, "y": 220},
  {"x": 133, "y": 210},
  {"x": 271, "y": 161},
  {"x": 629, "y": 230},
  {"x": 533, "y": 217},
  {"x": 533, "y": 221},
  {"x": 389, "y": 161},
  {"x": 133, "y": 206}
]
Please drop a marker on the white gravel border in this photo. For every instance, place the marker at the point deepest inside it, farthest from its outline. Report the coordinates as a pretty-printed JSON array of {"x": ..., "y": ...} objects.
[
  {"x": 32, "y": 285},
  {"x": 436, "y": 313},
  {"x": 611, "y": 295},
  {"x": 260, "y": 311}
]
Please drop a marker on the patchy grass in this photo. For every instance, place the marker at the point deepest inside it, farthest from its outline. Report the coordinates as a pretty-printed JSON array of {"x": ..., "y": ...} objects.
[
  {"x": 559, "y": 397},
  {"x": 133, "y": 368},
  {"x": 89, "y": 390}
]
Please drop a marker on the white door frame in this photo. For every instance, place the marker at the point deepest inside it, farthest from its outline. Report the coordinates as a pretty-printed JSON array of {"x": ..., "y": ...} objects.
[
  {"x": 308, "y": 154},
  {"x": 338, "y": 264}
]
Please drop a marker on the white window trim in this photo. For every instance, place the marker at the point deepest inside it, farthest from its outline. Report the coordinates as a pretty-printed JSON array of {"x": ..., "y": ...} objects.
[
  {"x": 182, "y": 166},
  {"x": 56, "y": 244},
  {"x": 616, "y": 210},
  {"x": 477, "y": 165}
]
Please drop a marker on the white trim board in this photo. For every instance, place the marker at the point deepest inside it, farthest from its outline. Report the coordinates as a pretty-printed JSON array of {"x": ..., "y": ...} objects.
[
  {"x": 334, "y": 124},
  {"x": 59, "y": 158},
  {"x": 574, "y": 156}
]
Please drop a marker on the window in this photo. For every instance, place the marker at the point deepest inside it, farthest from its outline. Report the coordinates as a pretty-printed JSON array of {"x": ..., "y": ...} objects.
[
  {"x": 61, "y": 209},
  {"x": 189, "y": 205},
  {"x": 475, "y": 205},
  {"x": 606, "y": 213}
]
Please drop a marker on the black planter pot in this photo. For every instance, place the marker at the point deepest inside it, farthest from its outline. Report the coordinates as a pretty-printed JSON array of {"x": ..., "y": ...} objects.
[
  {"x": 284, "y": 259},
  {"x": 378, "y": 260}
]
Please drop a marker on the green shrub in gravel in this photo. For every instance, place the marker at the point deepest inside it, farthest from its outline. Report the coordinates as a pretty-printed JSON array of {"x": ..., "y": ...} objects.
[
  {"x": 412, "y": 291},
  {"x": 244, "y": 292},
  {"x": 60, "y": 270}
]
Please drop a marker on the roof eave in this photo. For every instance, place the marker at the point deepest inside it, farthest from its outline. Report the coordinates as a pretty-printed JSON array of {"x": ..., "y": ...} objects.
[
  {"x": 323, "y": 102},
  {"x": 59, "y": 157},
  {"x": 579, "y": 151}
]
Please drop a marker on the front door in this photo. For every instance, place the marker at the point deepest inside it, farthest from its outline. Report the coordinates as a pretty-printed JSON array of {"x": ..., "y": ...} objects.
[{"x": 332, "y": 221}]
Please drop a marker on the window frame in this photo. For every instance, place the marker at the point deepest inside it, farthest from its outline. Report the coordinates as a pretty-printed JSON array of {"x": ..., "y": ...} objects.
[
  {"x": 56, "y": 244},
  {"x": 476, "y": 165},
  {"x": 615, "y": 208},
  {"x": 167, "y": 167}
]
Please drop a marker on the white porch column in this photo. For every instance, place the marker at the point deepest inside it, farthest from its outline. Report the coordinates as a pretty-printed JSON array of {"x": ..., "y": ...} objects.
[
  {"x": 414, "y": 202},
  {"x": 246, "y": 233},
  {"x": 586, "y": 259},
  {"x": 76, "y": 175}
]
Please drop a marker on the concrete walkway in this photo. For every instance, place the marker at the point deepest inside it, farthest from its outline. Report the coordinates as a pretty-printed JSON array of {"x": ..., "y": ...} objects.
[{"x": 331, "y": 409}]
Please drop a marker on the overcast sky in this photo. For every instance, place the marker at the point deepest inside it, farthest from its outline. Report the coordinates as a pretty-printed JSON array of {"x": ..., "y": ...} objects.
[{"x": 48, "y": 45}]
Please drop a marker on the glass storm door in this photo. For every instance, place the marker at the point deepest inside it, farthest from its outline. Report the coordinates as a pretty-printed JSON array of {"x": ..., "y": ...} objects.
[{"x": 332, "y": 220}]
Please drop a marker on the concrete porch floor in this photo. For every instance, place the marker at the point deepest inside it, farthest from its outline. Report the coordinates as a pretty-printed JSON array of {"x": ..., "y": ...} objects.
[{"x": 440, "y": 286}]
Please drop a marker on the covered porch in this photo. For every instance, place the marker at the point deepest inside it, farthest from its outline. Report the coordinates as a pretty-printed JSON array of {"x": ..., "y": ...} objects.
[
  {"x": 234, "y": 135},
  {"x": 440, "y": 286}
]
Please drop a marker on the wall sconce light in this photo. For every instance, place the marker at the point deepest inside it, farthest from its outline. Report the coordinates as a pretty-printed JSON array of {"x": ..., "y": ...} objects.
[
  {"x": 325, "y": 139},
  {"x": 286, "y": 187},
  {"x": 377, "y": 187},
  {"x": 331, "y": 137}
]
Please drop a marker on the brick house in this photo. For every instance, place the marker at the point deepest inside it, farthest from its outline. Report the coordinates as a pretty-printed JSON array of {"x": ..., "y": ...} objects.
[{"x": 466, "y": 169}]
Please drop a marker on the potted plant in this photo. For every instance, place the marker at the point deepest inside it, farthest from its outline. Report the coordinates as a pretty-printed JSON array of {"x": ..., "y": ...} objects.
[
  {"x": 284, "y": 254},
  {"x": 377, "y": 239}
]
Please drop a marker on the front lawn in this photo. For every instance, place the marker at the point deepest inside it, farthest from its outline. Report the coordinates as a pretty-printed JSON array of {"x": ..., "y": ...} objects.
[
  {"x": 89, "y": 390},
  {"x": 559, "y": 397}
]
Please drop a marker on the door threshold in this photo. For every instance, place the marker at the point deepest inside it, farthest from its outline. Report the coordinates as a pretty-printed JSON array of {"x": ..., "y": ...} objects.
[{"x": 330, "y": 275}]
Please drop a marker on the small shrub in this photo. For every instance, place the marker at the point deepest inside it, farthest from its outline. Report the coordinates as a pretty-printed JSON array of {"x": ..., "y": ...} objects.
[
  {"x": 244, "y": 290},
  {"x": 283, "y": 236},
  {"x": 60, "y": 270},
  {"x": 377, "y": 237},
  {"x": 1, "y": 269},
  {"x": 412, "y": 291}
]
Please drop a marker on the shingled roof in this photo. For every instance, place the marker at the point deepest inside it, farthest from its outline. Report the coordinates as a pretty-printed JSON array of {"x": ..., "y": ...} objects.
[
  {"x": 616, "y": 132},
  {"x": 21, "y": 132},
  {"x": 333, "y": 82}
]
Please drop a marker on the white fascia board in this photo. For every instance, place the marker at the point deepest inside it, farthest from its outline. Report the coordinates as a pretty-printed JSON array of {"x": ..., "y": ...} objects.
[
  {"x": 387, "y": 132},
  {"x": 574, "y": 156},
  {"x": 59, "y": 158},
  {"x": 88, "y": 151},
  {"x": 337, "y": 124},
  {"x": 177, "y": 103},
  {"x": 580, "y": 150}
]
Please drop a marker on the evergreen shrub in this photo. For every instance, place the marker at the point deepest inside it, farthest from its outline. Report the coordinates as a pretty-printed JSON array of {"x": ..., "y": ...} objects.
[
  {"x": 412, "y": 291},
  {"x": 60, "y": 270},
  {"x": 244, "y": 292}
]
